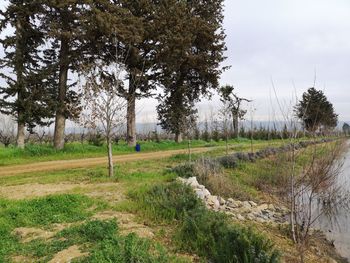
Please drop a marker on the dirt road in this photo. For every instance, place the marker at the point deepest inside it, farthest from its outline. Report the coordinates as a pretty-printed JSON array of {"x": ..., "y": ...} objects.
[{"x": 89, "y": 162}]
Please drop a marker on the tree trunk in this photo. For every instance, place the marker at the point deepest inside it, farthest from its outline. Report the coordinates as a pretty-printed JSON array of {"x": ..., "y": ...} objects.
[
  {"x": 235, "y": 126},
  {"x": 19, "y": 68},
  {"x": 60, "y": 121},
  {"x": 110, "y": 158},
  {"x": 178, "y": 137},
  {"x": 20, "y": 135},
  {"x": 131, "y": 113}
]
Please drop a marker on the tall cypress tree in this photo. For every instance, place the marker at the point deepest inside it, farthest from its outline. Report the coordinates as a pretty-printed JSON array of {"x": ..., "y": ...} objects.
[
  {"x": 27, "y": 93},
  {"x": 80, "y": 32},
  {"x": 189, "y": 54},
  {"x": 139, "y": 58},
  {"x": 62, "y": 23}
]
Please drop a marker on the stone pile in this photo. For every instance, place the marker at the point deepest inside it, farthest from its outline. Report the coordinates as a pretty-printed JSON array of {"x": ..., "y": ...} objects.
[{"x": 239, "y": 210}]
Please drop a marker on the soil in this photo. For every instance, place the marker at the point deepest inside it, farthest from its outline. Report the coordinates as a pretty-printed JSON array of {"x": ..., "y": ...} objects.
[
  {"x": 25, "y": 191},
  {"x": 67, "y": 255},
  {"x": 89, "y": 162}
]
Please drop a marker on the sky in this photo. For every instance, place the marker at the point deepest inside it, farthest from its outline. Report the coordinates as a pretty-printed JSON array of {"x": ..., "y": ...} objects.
[{"x": 285, "y": 44}]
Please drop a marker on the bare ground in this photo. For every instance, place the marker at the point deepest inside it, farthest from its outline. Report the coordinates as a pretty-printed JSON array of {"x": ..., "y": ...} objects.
[
  {"x": 108, "y": 191},
  {"x": 67, "y": 255}
]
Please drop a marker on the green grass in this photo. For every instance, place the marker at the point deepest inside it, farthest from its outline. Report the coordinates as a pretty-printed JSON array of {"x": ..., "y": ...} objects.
[
  {"x": 101, "y": 239},
  {"x": 43, "y": 152},
  {"x": 40, "y": 212},
  {"x": 105, "y": 244}
]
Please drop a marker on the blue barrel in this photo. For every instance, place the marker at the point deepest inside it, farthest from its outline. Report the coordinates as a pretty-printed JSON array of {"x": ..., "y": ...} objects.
[{"x": 138, "y": 147}]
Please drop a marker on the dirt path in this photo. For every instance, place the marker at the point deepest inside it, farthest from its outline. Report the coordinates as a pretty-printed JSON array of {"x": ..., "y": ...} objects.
[{"x": 89, "y": 162}]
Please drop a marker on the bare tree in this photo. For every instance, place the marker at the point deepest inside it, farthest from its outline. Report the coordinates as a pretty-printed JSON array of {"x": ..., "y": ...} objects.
[
  {"x": 225, "y": 114},
  {"x": 314, "y": 192},
  {"x": 234, "y": 105},
  {"x": 7, "y": 130},
  {"x": 103, "y": 108}
]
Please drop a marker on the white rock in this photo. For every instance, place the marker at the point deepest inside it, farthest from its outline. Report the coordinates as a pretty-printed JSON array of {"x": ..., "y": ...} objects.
[
  {"x": 192, "y": 181},
  {"x": 213, "y": 201},
  {"x": 221, "y": 200},
  {"x": 230, "y": 200},
  {"x": 202, "y": 187},
  {"x": 245, "y": 204},
  {"x": 206, "y": 193},
  {"x": 253, "y": 204},
  {"x": 234, "y": 204},
  {"x": 240, "y": 217},
  {"x": 200, "y": 193},
  {"x": 263, "y": 207},
  {"x": 250, "y": 217},
  {"x": 271, "y": 207}
]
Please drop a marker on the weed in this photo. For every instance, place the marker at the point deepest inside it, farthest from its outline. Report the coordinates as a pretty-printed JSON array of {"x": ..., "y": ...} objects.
[
  {"x": 209, "y": 235},
  {"x": 205, "y": 233},
  {"x": 165, "y": 203}
]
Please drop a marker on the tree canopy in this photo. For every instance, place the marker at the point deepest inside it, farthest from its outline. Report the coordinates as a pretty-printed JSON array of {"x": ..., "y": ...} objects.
[
  {"x": 189, "y": 54},
  {"x": 315, "y": 111}
]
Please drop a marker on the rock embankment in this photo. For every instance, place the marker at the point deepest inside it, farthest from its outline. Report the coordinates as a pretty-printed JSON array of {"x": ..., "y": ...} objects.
[{"x": 239, "y": 210}]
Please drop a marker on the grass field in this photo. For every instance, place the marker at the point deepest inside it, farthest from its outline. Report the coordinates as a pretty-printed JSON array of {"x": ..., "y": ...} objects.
[
  {"x": 139, "y": 215},
  {"x": 43, "y": 152}
]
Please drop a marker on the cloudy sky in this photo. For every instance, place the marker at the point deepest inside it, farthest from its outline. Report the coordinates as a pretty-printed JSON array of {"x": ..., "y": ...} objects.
[{"x": 285, "y": 42}]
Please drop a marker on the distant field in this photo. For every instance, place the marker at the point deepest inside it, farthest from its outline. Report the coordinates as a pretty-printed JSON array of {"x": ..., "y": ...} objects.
[{"x": 44, "y": 152}]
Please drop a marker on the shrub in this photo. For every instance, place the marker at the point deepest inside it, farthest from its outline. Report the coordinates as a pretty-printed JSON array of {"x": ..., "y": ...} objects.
[
  {"x": 209, "y": 235},
  {"x": 229, "y": 161},
  {"x": 203, "y": 232},
  {"x": 185, "y": 170},
  {"x": 96, "y": 139},
  {"x": 167, "y": 202}
]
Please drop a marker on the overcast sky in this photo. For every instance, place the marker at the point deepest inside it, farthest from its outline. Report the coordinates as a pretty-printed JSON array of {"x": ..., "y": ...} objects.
[{"x": 284, "y": 41}]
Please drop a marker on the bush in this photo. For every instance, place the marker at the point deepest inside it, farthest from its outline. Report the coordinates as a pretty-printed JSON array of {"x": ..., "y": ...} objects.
[
  {"x": 209, "y": 235},
  {"x": 229, "y": 161},
  {"x": 170, "y": 202},
  {"x": 185, "y": 170},
  {"x": 202, "y": 232},
  {"x": 96, "y": 139}
]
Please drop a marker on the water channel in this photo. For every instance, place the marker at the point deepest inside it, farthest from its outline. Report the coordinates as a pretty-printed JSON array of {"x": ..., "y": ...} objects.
[{"x": 338, "y": 230}]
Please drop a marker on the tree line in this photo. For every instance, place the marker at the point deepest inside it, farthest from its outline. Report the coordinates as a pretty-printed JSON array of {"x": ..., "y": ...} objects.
[{"x": 170, "y": 46}]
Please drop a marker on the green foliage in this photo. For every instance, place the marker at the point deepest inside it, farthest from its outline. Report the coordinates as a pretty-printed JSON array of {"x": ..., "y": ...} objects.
[
  {"x": 209, "y": 235},
  {"x": 96, "y": 139},
  {"x": 315, "y": 111},
  {"x": 92, "y": 231},
  {"x": 228, "y": 161},
  {"x": 127, "y": 249},
  {"x": 185, "y": 170},
  {"x": 45, "y": 211},
  {"x": 38, "y": 212},
  {"x": 189, "y": 58},
  {"x": 205, "y": 233},
  {"x": 167, "y": 202},
  {"x": 26, "y": 94},
  {"x": 109, "y": 246}
]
